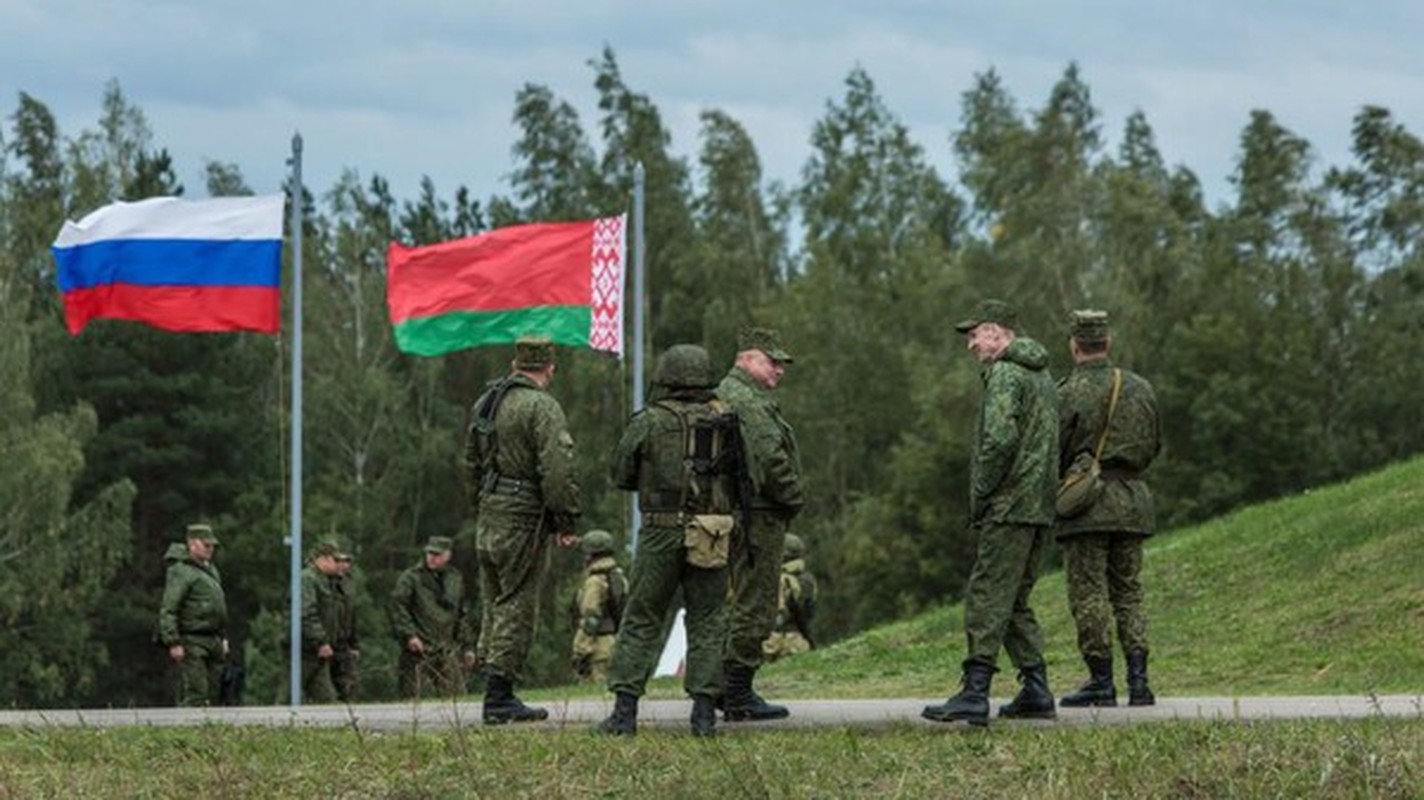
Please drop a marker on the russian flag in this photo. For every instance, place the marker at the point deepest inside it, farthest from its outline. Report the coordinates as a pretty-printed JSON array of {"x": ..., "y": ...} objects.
[{"x": 179, "y": 265}]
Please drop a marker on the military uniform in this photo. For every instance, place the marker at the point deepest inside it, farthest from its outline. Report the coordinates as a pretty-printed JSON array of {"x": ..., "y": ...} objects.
[
  {"x": 430, "y": 604},
  {"x": 193, "y": 614},
  {"x": 597, "y": 608},
  {"x": 687, "y": 496},
  {"x": 795, "y": 604},
  {"x": 1013, "y": 479},
  {"x": 776, "y": 499},
  {"x": 345, "y": 664},
  {"x": 1102, "y": 546},
  {"x": 320, "y": 620},
  {"x": 519, "y": 460}
]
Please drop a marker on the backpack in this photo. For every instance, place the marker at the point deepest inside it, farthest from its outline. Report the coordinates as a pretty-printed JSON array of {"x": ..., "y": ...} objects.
[{"x": 711, "y": 456}]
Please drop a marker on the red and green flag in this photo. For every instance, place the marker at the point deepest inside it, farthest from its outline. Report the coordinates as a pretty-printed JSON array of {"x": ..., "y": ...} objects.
[{"x": 563, "y": 280}]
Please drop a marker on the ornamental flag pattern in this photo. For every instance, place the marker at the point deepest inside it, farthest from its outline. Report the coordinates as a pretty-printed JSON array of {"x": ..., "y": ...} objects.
[{"x": 609, "y": 249}]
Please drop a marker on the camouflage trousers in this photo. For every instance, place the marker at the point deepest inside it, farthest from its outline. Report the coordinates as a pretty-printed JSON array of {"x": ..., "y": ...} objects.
[
  {"x": 197, "y": 677},
  {"x": 512, "y": 552},
  {"x": 1105, "y": 584},
  {"x": 317, "y": 686},
  {"x": 753, "y": 578},
  {"x": 784, "y": 643},
  {"x": 591, "y": 657},
  {"x": 344, "y": 675},
  {"x": 996, "y": 609},
  {"x": 660, "y": 568},
  {"x": 436, "y": 673}
]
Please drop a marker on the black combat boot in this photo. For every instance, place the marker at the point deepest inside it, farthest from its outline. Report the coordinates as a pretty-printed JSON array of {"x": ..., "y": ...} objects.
[
  {"x": 502, "y": 706},
  {"x": 741, "y": 702},
  {"x": 704, "y": 716},
  {"x": 1034, "y": 700},
  {"x": 1138, "y": 692},
  {"x": 624, "y": 719},
  {"x": 972, "y": 702},
  {"x": 1099, "y": 690}
]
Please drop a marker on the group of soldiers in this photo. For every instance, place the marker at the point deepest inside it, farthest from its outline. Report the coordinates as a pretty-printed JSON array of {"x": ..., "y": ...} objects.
[{"x": 717, "y": 474}]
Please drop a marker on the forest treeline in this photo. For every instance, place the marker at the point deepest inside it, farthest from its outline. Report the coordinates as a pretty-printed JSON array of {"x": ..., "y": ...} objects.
[{"x": 1277, "y": 327}]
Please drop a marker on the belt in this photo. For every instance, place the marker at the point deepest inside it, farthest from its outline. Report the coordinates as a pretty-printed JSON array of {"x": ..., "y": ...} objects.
[
  {"x": 505, "y": 485},
  {"x": 665, "y": 519}
]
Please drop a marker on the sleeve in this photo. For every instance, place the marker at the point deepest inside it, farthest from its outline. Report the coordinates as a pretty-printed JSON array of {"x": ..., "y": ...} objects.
[
  {"x": 623, "y": 469},
  {"x": 776, "y": 465},
  {"x": 314, "y": 633},
  {"x": 403, "y": 623},
  {"x": 175, "y": 588},
  {"x": 999, "y": 438},
  {"x": 556, "y": 461}
]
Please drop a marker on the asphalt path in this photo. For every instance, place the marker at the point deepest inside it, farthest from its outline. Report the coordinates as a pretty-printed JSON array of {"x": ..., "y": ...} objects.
[{"x": 673, "y": 714}]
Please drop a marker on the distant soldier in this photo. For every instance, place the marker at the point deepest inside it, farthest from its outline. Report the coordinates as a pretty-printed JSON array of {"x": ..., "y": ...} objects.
[
  {"x": 597, "y": 607},
  {"x": 683, "y": 455},
  {"x": 795, "y": 604},
  {"x": 519, "y": 460},
  {"x": 345, "y": 664},
  {"x": 320, "y": 621},
  {"x": 192, "y": 620},
  {"x": 776, "y": 499},
  {"x": 1013, "y": 478},
  {"x": 1102, "y": 546},
  {"x": 428, "y": 618}
]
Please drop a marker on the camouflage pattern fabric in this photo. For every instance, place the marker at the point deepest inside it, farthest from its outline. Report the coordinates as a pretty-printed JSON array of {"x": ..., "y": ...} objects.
[
  {"x": 193, "y": 613},
  {"x": 597, "y": 619},
  {"x": 795, "y": 607},
  {"x": 345, "y": 676},
  {"x": 319, "y": 623},
  {"x": 996, "y": 602},
  {"x": 1104, "y": 584},
  {"x": 430, "y": 604},
  {"x": 512, "y": 551}
]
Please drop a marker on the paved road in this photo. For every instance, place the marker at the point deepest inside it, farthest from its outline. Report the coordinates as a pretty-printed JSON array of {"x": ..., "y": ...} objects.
[{"x": 673, "y": 714}]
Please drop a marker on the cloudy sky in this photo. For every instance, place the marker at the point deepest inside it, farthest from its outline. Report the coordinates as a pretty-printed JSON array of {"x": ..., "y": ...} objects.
[{"x": 426, "y": 87}]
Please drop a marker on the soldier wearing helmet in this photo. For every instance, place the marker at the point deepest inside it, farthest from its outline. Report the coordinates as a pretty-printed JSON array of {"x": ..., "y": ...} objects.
[
  {"x": 597, "y": 607},
  {"x": 795, "y": 604}
]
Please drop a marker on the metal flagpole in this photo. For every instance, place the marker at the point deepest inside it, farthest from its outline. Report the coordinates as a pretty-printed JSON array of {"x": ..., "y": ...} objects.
[
  {"x": 638, "y": 181},
  {"x": 294, "y": 676}
]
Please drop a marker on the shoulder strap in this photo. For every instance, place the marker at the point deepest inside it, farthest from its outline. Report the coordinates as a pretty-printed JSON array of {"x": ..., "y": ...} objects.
[{"x": 1112, "y": 406}]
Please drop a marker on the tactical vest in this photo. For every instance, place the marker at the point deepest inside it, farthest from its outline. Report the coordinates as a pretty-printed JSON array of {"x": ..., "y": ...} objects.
[
  {"x": 482, "y": 434},
  {"x": 611, "y": 615},
  {"x": 691, "y": 468}
]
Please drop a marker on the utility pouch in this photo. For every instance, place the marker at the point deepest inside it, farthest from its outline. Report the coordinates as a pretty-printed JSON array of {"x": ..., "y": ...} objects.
[
  {"x": 1080, "y": 488},
  {"x": 708, "y": 539}
]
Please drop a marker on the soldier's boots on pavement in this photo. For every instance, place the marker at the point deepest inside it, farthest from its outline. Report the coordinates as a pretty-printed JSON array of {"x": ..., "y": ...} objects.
[
  {"x": 624, "y": 719},
  {"x": 1034, "y": 700},
  {"x": 1138, "y": 692},
  {"x": 704, "y": 716},
  {"x": 741, "y": 702},
  {"x": 1099, "y": 690},
  {"x": 972, "y": 702},
  {"x": 501, "y": 706}
]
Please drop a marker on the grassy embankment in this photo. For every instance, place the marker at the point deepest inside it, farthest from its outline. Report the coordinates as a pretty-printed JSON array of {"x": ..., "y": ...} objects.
[{"x": 1318, "y": 594}]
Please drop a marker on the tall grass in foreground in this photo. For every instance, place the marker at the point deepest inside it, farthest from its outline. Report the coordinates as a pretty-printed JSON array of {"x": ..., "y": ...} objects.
[{"x": 1359, "y": 758}]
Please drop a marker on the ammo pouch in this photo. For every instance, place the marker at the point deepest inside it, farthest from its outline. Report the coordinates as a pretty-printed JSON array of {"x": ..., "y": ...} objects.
[
  {"x": 708, "y": 538},
  {"x": 1080, "y": 488}
]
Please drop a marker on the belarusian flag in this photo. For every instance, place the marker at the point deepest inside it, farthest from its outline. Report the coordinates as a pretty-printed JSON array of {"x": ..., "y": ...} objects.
[{"x": 563, "y": 280}]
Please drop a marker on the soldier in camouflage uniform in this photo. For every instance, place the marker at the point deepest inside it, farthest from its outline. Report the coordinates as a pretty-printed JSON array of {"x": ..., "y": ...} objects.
[
  {"x": 776, "y": 499},
  {"x": 345, "y": 675},
  {"x": 682, "y": 455},
  {"x": 1013, "y": 478},
  {"x": 519, "y": 461},
  {"x": 192, "y": 619},
  {"x": 795, "y": 604},
  {"x": 430, "y": 623},
  {"x": 597, "y": 607},
  {"x": 1102, "y": 546},
  {"x": 320, "y": 619}
]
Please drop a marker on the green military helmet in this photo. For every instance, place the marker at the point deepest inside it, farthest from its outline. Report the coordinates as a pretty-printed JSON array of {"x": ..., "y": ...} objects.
[
  {"x": 793, "y": 548},
  {"x": 684, "y": 366},
  {"x": 596, "y": 542}
]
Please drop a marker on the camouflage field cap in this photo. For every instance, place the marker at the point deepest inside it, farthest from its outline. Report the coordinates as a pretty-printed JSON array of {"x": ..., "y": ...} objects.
[
  {"x": 1090, "y": 325},
  {"x": 766, "y": 340},
  {"x": 326, "y": 547},
  {"x": 203, "y": 531},
  {"x": 533, "y": 352},
  {"x": 439, "y": 544},
  {"x": 995, "y": 311}
]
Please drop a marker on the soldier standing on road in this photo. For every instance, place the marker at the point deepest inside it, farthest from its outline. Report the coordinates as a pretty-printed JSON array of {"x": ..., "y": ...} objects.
[
  {"x": 597, "y": 608},
  {"x": 1102, "y": 546},
  {"x": 683, "y": 455},
  {"x": 192, "y": 620},
  {"x": 320, "y": 620},
  {"x": 776, "y": 499},
  {"x": 795, "y": 604},
  {"x": 345, "y": 663},
  {"x": 519, "y": 460},
  {"x": 1013, "y": 480},
  {"x": 428, "y": 618}
]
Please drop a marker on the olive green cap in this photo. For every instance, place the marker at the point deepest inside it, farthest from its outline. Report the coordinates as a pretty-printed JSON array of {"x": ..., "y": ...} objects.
[
  {"x": 326, "y": 547},
  {"x": 533, "y": 352},
  {"x": 766, "y": 340},
  {"x": 204, "y": 531},
  {"x": 439, "y": 544},
  {"x": 1090, "y": 325},
  {"x": 995, "y": 311}
]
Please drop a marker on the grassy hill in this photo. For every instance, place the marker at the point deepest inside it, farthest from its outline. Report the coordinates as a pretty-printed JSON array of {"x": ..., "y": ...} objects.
[{"x": 1322, "y": 593}]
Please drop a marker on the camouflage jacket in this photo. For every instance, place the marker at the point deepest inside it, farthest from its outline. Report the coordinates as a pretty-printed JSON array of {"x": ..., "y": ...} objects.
[
  {"x": 533, "y": 446},
  {"x": 598, "y": 605},
  {"x": 343, "y": 589},
  {"x": 1134, "y": 440},
  {"x": 796, "y": 598},
  {"x": 771, "y": 444},
  {"x": 1014, "y": 466},
  {"x": 431, "y": 604},
  {"x": 651, "y": 456},
  {"x": 193, "y": 600},
  {"x": 320, "y": 612}
]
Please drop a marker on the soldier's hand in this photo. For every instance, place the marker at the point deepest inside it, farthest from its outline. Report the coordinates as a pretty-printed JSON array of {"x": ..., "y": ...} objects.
[
  {"x": 567, "y": 540},
  {"x": 414, "y": 645},
  {"x": 176, "y": 653},
  {"x": 324, "y": 652}
]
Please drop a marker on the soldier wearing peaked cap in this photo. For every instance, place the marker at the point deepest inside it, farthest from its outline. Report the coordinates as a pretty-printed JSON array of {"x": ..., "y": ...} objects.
[
  {"x": 345, "y": 664},
  {"x": 429, "y": 618},
  {"x": 519, "y": 470},
  {"x": 1108, "y": 414},
  {"x": 320, "y": 621},
  {"x": 192, "y": 620}
]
